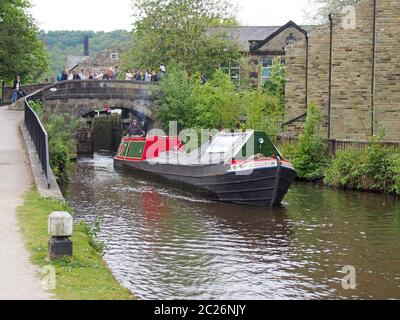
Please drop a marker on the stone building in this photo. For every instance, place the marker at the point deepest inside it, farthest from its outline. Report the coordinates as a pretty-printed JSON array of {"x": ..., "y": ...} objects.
[
  {"x": 350, "y": 67},
  {"x": 99, "y": 62},
  {"x": 259, "y": 47}
]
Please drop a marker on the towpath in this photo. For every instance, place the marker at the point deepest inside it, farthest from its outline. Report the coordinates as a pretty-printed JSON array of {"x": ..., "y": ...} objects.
[{"x": 18, "y": 276}]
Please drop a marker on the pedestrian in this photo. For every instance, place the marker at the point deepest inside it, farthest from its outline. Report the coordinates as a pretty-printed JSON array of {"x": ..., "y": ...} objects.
[
  {"x": 110, "y": 74},
  {"x": 154, "y": 76},
  {"x": 162, "y": 68},
  {"x": 64, "y": 76},
  {"x": 59, "y": 76},
  {"x": 138, "y": 76},
  {"x": 128, "y": 75},
  {"x": 116, "y": 73},
  {"x": 147, "y": 76},
  {"x": 82, "y": 75},
  {"x": 16, "y": 88},
  {"x": 75, "y": 76}
]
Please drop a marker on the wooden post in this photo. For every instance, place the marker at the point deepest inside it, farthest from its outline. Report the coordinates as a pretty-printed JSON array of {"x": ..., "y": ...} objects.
[{"x": 60, "y": 229}]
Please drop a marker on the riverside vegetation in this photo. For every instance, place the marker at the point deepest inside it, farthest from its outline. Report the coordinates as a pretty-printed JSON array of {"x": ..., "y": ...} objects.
[
  {"x": 85, "y": 276},
  {"x": 62, "y": 143},
  {"x": 373, "y": 168}
]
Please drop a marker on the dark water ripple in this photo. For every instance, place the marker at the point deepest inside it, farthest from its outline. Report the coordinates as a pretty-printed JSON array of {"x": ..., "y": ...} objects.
[{"x": 166, "y": 244}]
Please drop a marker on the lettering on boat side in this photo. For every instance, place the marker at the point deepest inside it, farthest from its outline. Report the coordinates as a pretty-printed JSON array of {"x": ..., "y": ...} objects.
[{"x": 206, "y": 310}]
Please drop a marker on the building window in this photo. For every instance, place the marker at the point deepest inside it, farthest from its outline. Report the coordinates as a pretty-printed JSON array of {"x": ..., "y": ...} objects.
[
  {"x": 266, "y": 68},
  {"x": 290, "y": 39},
  {"x": 232, "y": 70},
  {"x": 114, "y": 56},
  {"x": 267, "y": 64}
]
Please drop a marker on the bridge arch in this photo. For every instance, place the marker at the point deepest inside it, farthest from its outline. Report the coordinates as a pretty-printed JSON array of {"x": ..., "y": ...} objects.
[{"x": 80, "y": 97}]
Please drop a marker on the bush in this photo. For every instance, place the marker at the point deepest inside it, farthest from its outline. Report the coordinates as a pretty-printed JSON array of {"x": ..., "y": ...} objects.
[
  {"x": 375, "y": 168},
  {"x": 288, "y": 149},
  {"x": 175, "y": 101},
  {"x": 310, "y": 156},
  {"x": 395, "y": 169},
  {"x": 62, "y": 144},
  {"x": 216, "y": 103}
]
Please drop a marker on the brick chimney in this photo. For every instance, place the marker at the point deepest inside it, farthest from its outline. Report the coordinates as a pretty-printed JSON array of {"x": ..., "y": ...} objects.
[{"x": 86, "y": 46}]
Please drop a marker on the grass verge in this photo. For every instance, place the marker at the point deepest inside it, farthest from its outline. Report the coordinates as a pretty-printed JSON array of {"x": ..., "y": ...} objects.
[{"x": 85, "y": 276}]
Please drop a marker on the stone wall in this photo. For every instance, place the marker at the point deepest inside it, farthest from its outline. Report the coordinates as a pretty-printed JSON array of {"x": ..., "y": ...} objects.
[
  {"x": 295, "y": 84},
  {"x": 318, "y": 67},
  {"x": 28, "y": 89},
  {"x": 351, "y": 107},
  {"x": 387, "y": 98},
  {"x": 352, "y": 78}
]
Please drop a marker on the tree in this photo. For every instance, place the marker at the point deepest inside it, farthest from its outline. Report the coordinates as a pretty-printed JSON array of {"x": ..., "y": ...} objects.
[
  {"x": 319, "y": 10},
  {"x": 179, "y": 32},
  {"x": 20, "y": 52}
]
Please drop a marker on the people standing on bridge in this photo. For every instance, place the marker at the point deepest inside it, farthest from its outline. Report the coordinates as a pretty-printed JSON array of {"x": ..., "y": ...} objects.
[
  {"x": 154, "y": 76},
  {"x": 147, "y": 76},
  {"x": 128, "y": 75},
  {"x": 64, "y": 76},
  {"x": 75, "y": 76},
  {"x": 16, "y": 89},
  {"x": 162, "y": 68},
  {"x": 106, "y": 76},
  {"x": 82, "y": 75},
  {"x": 139, "y": 75},
  {"x": 116, "y": 73}
]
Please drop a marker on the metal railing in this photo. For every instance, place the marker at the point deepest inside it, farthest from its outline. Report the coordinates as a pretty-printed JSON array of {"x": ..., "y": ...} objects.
[{"x": 40, "y": 139}]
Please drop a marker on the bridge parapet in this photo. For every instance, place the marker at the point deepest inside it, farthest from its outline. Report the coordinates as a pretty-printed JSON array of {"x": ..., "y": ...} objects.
[{"x": 100, "y": 89}]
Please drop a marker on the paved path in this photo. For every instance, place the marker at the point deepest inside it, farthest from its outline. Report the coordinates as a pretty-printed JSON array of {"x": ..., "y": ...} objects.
[{"x": 18, "y": 280}]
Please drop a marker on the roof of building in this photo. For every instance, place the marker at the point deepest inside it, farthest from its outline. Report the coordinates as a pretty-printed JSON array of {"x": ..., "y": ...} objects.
[
  {"x": 244, "y": 34},
  {"x": 73, "y": 61},
  {"x": 259, "y": 44}
]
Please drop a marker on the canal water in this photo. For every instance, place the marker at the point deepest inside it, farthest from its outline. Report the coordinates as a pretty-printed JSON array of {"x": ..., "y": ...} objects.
[{"x": 167, "y": 244}]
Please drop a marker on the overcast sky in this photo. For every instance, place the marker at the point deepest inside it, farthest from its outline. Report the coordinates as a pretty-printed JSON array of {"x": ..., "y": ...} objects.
[{"x": 107, "y": 15}]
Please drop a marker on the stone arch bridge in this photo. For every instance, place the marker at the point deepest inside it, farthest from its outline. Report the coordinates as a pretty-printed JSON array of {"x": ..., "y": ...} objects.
[{"x": 80, "y": 97}]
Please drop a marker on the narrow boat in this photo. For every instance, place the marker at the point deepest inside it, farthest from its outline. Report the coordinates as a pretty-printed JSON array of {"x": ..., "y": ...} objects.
[{"x": 241, "y": 167}]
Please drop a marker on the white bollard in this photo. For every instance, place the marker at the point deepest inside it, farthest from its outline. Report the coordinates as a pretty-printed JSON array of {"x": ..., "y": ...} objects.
[{"x": 60, "y": 228}]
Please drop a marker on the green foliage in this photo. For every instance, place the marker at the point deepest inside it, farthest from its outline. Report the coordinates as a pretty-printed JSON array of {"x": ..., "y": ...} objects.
[
  {"x": 61, "y": 131},
  {"x": 175, "y": 101},
  {"x": 288, "y": 149},
  {"x": 216, "y": 103},
  {"x": 265, "y": 110},
  {"x": 310, "y": 158},
  {"x": 21, "y": 52},
  {"x": 196, "y": 105},
  {"x": 93, "y": 233},
  {"x": 85, "y": 276},
  {"x": 178, "y": 32},
  {"x": 375, "y": 168},
  {"x": 61, "y": 44},
  {"x": 395, "y": 169}
]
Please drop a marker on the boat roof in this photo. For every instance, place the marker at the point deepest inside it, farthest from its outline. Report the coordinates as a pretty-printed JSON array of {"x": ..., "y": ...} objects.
[{"x": 221, "y": 149}]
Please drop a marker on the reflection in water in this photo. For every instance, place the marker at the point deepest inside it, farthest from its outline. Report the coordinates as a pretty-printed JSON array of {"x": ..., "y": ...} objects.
[{"x": 166, "y": 244}]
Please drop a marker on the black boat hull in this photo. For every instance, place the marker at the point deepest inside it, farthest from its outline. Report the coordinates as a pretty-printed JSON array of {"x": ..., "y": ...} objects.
[{"x": 265, "y": 187}]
